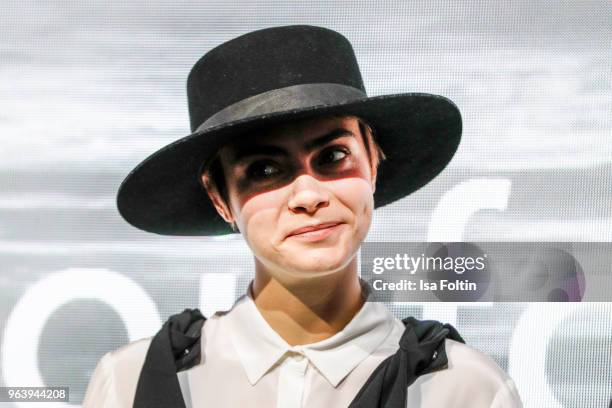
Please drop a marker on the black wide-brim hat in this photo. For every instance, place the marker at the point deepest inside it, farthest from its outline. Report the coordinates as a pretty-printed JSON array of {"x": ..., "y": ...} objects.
[{"x": 271, "y": 76}]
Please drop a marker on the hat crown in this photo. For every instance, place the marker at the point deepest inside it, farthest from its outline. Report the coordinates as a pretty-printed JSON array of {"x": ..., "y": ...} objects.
[{"x": 265, "y": 60}]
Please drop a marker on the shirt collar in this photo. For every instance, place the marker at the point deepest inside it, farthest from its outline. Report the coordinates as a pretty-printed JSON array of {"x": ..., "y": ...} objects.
[{"x": 259, "y": 347}]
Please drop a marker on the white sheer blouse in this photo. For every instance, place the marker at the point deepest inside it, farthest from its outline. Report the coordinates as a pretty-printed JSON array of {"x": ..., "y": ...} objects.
[{"x": 245, "y": 363}]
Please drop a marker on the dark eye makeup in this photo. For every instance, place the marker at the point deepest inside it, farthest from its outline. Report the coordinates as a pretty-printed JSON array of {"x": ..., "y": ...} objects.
[
  {"x": 262, "y": 169},
  {"x": 268, "y": 169},
  {"x": 330, "y": 156}
]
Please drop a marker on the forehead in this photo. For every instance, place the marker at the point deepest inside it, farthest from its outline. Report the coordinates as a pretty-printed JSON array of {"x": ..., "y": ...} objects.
[{"x": 303, "y": 134}]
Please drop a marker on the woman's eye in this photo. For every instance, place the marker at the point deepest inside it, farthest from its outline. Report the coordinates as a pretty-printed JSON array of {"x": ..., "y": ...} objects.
[
  {"x": 333, "y": 155},
  {"x": 262, "y": 170}
]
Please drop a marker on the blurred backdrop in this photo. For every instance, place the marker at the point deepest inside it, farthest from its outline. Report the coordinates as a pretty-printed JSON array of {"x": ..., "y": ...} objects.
[{"x": 88, "y": 89}]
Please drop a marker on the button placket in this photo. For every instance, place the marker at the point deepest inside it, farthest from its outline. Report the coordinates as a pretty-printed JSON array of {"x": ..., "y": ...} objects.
[
  {"x": 299, "y": 363},
  {"x": 291, "y": 381}
]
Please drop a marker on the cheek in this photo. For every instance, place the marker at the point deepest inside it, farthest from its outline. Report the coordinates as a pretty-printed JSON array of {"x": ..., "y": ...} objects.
[
  {"x": 259, "y": 215},
  {"x": 356, "y": 194}
]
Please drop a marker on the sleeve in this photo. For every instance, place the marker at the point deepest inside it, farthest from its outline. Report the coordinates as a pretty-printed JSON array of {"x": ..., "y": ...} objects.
[
  {"x": 507, "y": 396},
  {"x": 100, "y": 390}
]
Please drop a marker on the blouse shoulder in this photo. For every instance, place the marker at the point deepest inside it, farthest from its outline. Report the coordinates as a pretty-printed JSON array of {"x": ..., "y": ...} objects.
[
  {"x": 472, "y": 379},
  {"x": 113, "y": 382}
]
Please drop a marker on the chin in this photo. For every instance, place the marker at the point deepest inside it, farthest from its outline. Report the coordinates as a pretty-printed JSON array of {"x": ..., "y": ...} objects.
[
  {"x": 318, "y": 265},
  {"x": 303, "y": 274}
]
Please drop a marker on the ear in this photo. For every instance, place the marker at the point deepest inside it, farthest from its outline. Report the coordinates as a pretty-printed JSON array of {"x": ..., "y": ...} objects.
[
  {"x": 374, "y": 172},
  {"x": 215, "y": 197}
]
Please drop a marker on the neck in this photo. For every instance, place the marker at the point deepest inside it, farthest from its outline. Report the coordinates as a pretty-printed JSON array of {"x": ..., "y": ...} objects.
[{"x": 305, "y": 311}]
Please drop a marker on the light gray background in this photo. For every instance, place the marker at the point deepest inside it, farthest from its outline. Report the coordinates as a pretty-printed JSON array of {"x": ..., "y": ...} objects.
[{"x": 89, "y": 88}]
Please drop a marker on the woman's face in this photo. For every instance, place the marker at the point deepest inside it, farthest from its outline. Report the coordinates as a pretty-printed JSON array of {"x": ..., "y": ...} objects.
[{"x": 298, "y": 175}]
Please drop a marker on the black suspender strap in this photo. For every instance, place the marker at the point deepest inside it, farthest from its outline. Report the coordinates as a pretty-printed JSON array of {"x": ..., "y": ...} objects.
[
  {"x": 421, "y": 351},
  {"x": 174, "y": 348}
]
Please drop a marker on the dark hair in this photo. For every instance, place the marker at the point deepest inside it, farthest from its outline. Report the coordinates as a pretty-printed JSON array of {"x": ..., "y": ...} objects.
[{"x": 217, "y": 177}]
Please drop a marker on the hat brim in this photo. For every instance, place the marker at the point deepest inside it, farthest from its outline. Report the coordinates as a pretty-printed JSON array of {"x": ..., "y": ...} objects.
[{"x": 419, "y": 134}]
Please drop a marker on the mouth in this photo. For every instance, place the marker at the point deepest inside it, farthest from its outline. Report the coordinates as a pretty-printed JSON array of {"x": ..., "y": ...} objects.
[{"x": 315, "y": 232}]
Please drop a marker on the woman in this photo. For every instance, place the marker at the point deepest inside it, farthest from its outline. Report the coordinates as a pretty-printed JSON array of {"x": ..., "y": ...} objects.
[{"x": 293, "y": 160}]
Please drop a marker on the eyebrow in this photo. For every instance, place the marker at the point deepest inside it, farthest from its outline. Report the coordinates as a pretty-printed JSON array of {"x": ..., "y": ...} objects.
[{"x": 243, "y": 152}]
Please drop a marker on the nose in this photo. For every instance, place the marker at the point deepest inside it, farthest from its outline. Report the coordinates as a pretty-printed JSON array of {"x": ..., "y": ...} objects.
[{"x": 307, "y": 195}]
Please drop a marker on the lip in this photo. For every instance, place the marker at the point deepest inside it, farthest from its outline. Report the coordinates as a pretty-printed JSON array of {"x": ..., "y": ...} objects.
[{"x": 323, "y": 229}]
